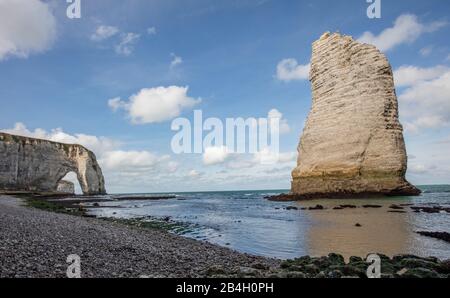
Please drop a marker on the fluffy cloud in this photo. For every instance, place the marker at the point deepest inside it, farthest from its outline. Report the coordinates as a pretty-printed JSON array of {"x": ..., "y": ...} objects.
[
  {"x": 406, "y": 29},
  {"x": 99, "y": 145},
  {"x": 26, "y": 27},
  {"x": 284, "y": 125},
  {"x": 194, "y": 174},
  {"x": 153, "y": 105},
  {"x": 265, "y": 156},
  {"x": 151, "y": 31},
  {"x": 104, "y": 32},
  {"x": 408, "y": 75},
  {"x": 120, "y": 159},
  {"x": 176, "y": 60},
  {"x": 127, "y": 43},
  {"x": 215, "y": 155},
  {"x": 289, "y": 70},
  {"x": 426, "y": 51},
  {"x": 426, "y": 104}
]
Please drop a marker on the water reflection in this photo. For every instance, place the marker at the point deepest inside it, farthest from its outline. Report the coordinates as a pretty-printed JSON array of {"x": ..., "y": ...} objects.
[{"x": 379, "y": 231}]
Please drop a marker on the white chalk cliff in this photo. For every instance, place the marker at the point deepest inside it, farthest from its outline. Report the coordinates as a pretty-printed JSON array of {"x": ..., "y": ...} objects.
[
  {"x": 35, "y": 165},
  {"x": 353, "y": 141}
]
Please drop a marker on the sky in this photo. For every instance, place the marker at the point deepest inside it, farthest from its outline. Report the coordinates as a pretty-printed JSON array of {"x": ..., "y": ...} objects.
[{"x": 114, "y": 79}]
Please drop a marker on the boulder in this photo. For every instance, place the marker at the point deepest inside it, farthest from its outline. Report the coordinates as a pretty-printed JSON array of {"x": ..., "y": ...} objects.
[{"x": 65, "y": 187}]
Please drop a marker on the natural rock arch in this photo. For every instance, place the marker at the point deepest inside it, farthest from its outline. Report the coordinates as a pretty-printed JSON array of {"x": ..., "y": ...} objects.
[{"x": 28, "y": 164}]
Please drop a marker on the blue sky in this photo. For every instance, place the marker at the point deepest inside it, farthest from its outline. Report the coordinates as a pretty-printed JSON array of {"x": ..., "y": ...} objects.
[{"x": 57, "y": 76}]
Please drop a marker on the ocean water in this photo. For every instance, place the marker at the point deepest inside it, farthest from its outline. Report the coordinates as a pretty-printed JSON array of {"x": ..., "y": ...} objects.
[{"x": 247, "y": 222}]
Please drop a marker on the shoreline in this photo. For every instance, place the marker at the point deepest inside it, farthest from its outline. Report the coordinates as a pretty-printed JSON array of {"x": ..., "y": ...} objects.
[{"x": 36, "y": 243}]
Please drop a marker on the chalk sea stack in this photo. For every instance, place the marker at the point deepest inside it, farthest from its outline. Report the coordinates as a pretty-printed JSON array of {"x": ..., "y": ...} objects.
[
  {"x": 352, "y": 143},
  {"x": 35, "y": 165}
]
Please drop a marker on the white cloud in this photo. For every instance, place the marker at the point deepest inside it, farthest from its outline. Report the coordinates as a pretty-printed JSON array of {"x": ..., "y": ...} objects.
[
  {"x": 289, "y": 70},
  {"x": 126, "y": 44},
  {"x": 417, "y": 169},
  {"x": 26, "y": 27},
  {"x": 104, "y": 32},
  {"x": 426, "y": 51},
  {"x": 116, "y": 104},
  {"x": 194, "y": 174},
  {"x": 427, "y": 104},
  {"x": 172, "y": 166},
  {"x": 409, "y": 75},
  {"x": 176, "y": 60},
  {"x": 215, "y": 155},
  {"x": 153, "y": 105},
  {"x": 98, "y": 145},
  {"x": 120, "y": 159},
  {"x": 284, "y": 125},
  {"x": 406, "y": 29},
  {"x": 151, "y": 31},
  {"x": 266, "y": 156}
]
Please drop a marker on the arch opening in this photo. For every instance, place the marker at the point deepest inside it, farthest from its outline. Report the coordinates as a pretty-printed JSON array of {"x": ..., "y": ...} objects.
[{"x": 70, "y": 184}]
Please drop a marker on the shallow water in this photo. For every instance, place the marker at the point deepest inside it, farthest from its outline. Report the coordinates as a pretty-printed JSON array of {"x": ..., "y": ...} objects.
[{"x": 245, "y": 221}]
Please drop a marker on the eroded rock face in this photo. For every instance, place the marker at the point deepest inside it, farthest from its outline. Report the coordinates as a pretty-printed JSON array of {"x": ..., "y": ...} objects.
[
  {"x": 28, "y": 164},
  {"x": 353, "y": 141}
]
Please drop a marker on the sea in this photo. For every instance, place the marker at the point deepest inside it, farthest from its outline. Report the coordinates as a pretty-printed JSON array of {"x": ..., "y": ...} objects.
[{"x": 247, "y": 222}]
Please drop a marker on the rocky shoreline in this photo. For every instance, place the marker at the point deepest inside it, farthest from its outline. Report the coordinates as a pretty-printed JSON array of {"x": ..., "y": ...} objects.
[{"x": 36, "y": 243}]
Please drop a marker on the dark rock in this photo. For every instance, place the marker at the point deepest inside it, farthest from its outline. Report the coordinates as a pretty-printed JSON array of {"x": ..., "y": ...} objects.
[
  {"x": 354, "y": 259},
  {"x": 336, "y": 259},
  {"x": 295, "y": 274},
  {"x": 438, "y": 235},
  {"x": 354, "y": 271},
  {"x": 434, "y": 209},
  {"x": 398, "y": 258},
  {"x": 311, "y": 269},
  {"x": 291, "y": 208},
  {"x": 444, "y": 267},
  {"x": 372, "y": 206},
  {"x": 420, "y": 273},
  {"x": 411, "y": 263},
  {"x": 396, "y": 207},
  {"x": 283, "y": 198},
  {"x": 296, "y": 262},
  {"x": 358, "y": 224},
  {"x": 214, "y": 270},
  {"x": 317, "y": 207},
  {"x": 321, "y": 274},
  {"x": 334, "y": 274},
  {"x": 260, "y": 266},
  {"x": 347, "y": 206}
]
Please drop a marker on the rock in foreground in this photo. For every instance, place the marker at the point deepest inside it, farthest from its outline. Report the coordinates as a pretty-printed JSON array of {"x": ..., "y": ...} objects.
[{"x": 353, "y": 141}]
